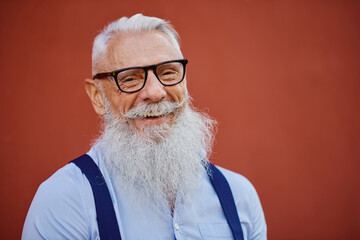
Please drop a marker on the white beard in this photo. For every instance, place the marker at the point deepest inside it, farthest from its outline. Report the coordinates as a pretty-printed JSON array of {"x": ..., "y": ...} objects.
[{"x": 164, "y": 163}]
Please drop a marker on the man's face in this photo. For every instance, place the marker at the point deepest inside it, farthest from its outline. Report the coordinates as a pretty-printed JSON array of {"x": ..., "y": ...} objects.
[{"x": 141, "y": 49}]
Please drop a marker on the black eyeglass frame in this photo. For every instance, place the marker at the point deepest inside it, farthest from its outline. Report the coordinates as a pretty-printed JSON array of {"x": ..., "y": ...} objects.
[{"x": 153, "y": 67}]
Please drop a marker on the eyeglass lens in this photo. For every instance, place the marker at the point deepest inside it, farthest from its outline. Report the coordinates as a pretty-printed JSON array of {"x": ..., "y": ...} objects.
[{"x": 133, "y": 79}]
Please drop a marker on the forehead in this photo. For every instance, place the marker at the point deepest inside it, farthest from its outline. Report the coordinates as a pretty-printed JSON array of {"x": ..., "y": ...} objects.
[{"x": 139, "y": 49}]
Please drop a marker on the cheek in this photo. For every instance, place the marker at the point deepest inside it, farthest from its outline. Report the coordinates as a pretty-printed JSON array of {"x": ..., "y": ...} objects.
[
  {"x": 126, "y": 102},
  {"x": 177, "y": 92},
  {"x": 122, "y": 102}
]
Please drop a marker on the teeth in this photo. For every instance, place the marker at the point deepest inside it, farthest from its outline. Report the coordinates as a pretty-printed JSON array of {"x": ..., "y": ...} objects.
[{"x": 153, "y": 114}]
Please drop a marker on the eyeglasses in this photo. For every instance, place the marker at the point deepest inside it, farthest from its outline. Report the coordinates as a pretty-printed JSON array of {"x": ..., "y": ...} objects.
[{"x": 133, "y": 79}]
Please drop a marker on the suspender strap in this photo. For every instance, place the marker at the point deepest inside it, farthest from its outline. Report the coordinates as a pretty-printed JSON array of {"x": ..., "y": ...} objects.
[
  {"x": 227, "y": 202},
  {"x": 106, "y": 219}
]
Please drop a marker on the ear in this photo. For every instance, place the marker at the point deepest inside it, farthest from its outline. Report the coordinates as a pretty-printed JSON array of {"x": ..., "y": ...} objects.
[{"x": 95, "y": 96}]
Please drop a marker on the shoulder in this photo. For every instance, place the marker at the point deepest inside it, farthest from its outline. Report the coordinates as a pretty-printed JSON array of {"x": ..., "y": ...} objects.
[
  {"x": 66, "y": 186},
  {"x": 67, "y": 179},
  {"x": 238, "y": 183},
  {"x": 247, "y": 203},
  {"x": 59, "y": 207}
]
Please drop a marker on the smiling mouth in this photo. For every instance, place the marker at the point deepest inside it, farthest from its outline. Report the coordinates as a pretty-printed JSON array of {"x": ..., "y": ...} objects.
[{"x": 153, "y": 114}]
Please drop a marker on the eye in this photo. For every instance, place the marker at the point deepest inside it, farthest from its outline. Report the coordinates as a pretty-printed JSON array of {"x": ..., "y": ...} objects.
[
  {"x": 127, "y": 79},
  {"x": 131, "y": 81},
  {"x": 168, "y": 72},
  {"x": 130, "y": 75}
]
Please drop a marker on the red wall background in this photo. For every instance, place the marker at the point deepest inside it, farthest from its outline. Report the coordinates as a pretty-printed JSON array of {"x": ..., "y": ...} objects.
[{"x": 281, "y": 77}]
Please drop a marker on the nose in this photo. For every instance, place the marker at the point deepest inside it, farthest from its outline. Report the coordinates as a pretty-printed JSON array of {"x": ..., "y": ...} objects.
[{"x": 153, "y": 90}]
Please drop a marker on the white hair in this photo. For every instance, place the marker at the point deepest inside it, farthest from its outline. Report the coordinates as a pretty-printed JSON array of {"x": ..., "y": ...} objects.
[
  {"x": 136, "y": 24},
  {"x": 163, "y": 163}
]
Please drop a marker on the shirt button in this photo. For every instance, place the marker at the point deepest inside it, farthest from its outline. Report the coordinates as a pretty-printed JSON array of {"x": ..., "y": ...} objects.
[{"x": 176, "y": 226}]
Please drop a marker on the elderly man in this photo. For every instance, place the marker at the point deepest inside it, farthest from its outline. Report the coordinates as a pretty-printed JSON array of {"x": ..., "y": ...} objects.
[{"x": 148, "y": 175}]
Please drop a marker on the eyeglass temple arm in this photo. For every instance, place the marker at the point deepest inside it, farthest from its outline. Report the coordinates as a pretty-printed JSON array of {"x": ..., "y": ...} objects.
[{"x": 102, "y": 75}]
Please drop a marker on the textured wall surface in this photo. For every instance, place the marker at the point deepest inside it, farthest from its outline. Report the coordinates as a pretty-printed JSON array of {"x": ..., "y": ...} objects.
[{"x": 281, "y": 77}]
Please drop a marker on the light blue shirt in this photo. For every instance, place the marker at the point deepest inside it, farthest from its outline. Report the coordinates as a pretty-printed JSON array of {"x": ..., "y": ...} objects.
[{"x": 64, "y": 208}]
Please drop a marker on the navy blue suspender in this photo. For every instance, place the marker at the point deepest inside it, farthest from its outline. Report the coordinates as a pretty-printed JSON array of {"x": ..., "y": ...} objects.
[
  {"x": 106, "y": 218},
  {"x": 223, "y": 191},
  {"x": 105, "y": 213}
]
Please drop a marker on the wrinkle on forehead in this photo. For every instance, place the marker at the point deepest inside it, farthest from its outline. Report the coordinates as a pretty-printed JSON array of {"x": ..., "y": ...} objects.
[{"x": 137, "y": 49}]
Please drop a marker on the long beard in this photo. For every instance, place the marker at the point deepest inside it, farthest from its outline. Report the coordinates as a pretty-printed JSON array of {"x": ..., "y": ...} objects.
[{"x": 164, "y": 163}]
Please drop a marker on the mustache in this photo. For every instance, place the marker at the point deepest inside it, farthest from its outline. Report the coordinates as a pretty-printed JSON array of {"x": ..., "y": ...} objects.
[{"x": 153, "y": 109}]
